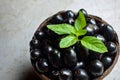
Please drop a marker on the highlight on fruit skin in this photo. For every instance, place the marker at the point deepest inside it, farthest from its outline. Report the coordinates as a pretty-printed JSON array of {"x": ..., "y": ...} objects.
[{"x": 89, "y": 47}]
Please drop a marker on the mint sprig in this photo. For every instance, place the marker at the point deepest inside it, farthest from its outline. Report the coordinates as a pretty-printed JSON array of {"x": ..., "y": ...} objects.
[{"x": 73, "y": 32}]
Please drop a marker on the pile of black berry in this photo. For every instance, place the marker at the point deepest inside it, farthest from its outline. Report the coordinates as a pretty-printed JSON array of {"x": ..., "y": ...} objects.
[{"x": 75, "y": 62}]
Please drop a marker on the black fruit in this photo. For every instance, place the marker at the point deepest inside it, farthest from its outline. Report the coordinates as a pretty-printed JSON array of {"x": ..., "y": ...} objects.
[
  {"x": 65, "y": 74},
  {"x": 55, "y": 58},
  {"x": 100, "y": 24},
  {"x": 79, "y": 65},
  {"x": 71, "y": 21},
  {"x": 54, "y": 75},
  {"x": 91, "y": 29},
  {"x": 70, "y": 14},
  {"x": 40, "y": 35},
  {"x": 51, "y": 35},
  {"x": 42, "y": 65},
  {"x": 57, "y": 19},
  {"x": 91, "y": 21},
  {"x": 96, "y": 68},
  {"x": 35, "y": 54},
  {"x": 81, "y": 74},
  {"x": 107, "y": 61},
  {"x": 70, "y": 57},
  {"x": 47, "y": 50},
  {"x": 81, "y": 51},
  {"x": 111, "y": 47},
  {"x": 84, "y": 12},
  {"x": 35, "y": 43},
  {"x": 94, "y": 55},
  {"x": 100, "y": 37},
  {"x": 70, "y": 17},
  {"x": 108, "y": 32}
]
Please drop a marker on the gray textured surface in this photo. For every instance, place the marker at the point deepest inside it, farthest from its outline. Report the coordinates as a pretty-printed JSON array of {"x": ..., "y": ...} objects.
[{"x": 20, "y": 18}]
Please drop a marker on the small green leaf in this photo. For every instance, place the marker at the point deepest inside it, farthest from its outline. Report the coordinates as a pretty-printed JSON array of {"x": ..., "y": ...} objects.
[
  {"x": 68, "y": 41},
  {"x": 81, "y": 32},
  {"x": 80, "y": 22},
  {"x": 94, "y": 44},
  {"x": 62, "y": 28}
]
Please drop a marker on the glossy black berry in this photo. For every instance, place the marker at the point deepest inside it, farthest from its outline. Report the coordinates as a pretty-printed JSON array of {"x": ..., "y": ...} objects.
[
  {"x": 35, "y": 54},
  {"x": 100, "y": 37},
  {"x": 70, "y": 57},
  {"x": 70, "y": 17},
  {"x": 81, "y": 52},
  {"x": 108, "y": 32},
  {"x": 107, "y": 61},
  {"x": 70, "y": 14},
  {"x": 42, "y": 65},
  {"x": 81, "y": 74},
  {"x": 55, "y": 58},
  {"x": 94, "y": 55},
  {"x": 35, "y": 43},
  {"x": 54, "y": 75},
  {"x": 84, "y": 12},
  {"x": 40, "y": 35},
  {"x": 51, "y": 36},
  {"x": 57, "y": 19},
  {"x": 79, "y": 65},
  {"x": 71, "y": 21},
  {"x": 91, "y": 21},
  {"x": 100, "y": 24},
  {"x": 65, "y": 74},
  {"x": 111, "y": 47},
  {"x": 47, "y": 50},
  {"x": 96, "y": 68},
  {"x": 91, "y": 29}
]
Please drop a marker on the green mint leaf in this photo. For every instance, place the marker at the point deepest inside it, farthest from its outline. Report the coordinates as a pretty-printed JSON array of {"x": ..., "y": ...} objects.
[
  {"x": 62, "y": 28},
  {"x": 68, "y": 41},
  {"x": 94, "y": 44},
  {"x": 81, "y": 32},
  {"x": 80, "y": 22}
]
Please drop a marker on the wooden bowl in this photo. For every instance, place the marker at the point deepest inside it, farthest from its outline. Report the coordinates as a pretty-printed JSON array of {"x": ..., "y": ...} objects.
[{"x": 106, "y": 72}]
